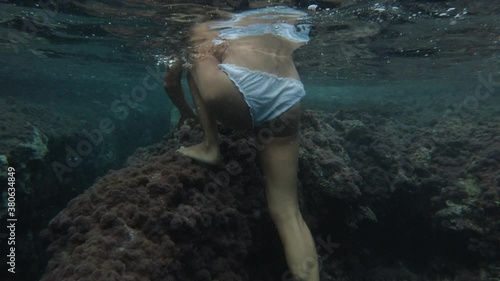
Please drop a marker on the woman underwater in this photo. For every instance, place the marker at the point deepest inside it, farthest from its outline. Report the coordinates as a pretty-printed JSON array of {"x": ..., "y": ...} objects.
[{"x": 241, "y": 73}]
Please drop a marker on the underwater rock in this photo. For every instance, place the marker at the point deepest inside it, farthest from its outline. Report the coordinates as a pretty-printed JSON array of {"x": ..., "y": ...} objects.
[
  {"x": 166, "y": 217},
  {"x": 27, "y": 134},
  {"x": 471, "y": 207},
  {"x": 28, "y": 131},
  {"x": 175, "y": 217},
  {"x": 163, "y": 217},
  {"x": 31, "y": 136},
  {"x": 324, "y": 164},
  {"x": 37, "y": 146},
  {"x": 444, "y": 177}
]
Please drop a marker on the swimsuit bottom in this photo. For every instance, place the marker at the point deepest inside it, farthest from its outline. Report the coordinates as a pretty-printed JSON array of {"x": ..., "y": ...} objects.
[{"x": 267, "y": 95}]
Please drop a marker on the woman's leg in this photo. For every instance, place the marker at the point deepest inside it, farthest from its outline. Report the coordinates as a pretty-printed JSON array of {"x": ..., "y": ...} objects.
[
  {"x": 216, "y": 99},
  {"x": 279, "y": 160},
  {"x": 173, "y": 88},
  {"x": 208, "y": 150}
]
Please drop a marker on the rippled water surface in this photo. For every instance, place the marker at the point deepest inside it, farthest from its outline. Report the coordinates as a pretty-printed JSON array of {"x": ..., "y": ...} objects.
[{"x": 63, "y": 49}]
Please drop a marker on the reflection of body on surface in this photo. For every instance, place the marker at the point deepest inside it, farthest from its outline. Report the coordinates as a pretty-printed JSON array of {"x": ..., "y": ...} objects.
[{"x": 242, "y": 74}]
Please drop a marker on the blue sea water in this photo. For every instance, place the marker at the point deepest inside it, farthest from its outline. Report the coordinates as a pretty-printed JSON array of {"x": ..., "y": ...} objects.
[{"x": 75, "y": 68}]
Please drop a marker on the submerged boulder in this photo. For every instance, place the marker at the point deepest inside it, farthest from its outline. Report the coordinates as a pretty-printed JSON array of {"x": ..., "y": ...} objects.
[{"x": 374, "y": 192}]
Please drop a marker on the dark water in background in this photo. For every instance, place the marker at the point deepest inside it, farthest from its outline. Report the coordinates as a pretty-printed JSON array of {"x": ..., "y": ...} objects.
[{"x": 77, "y": 62}]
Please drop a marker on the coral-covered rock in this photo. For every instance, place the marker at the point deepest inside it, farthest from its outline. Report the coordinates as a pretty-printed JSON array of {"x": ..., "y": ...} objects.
[
  {"x": 27, "y": 132},
  {"x": 468, "y": 157},
  {"x": 392, "y": 197},
  {"x": 163, "y": 217},
  {"x": 325, "y": 166},
  {"x": 428, "y": 185}
]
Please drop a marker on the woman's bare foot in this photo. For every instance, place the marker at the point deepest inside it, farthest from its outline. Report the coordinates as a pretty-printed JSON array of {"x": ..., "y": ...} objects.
[{"x": 203, "y": 153}]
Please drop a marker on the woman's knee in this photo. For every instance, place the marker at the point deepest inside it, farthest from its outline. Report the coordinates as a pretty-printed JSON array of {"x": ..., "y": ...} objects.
[
  {"x": 284, "y": 214},
  {"x": 214, "y": 96}
]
